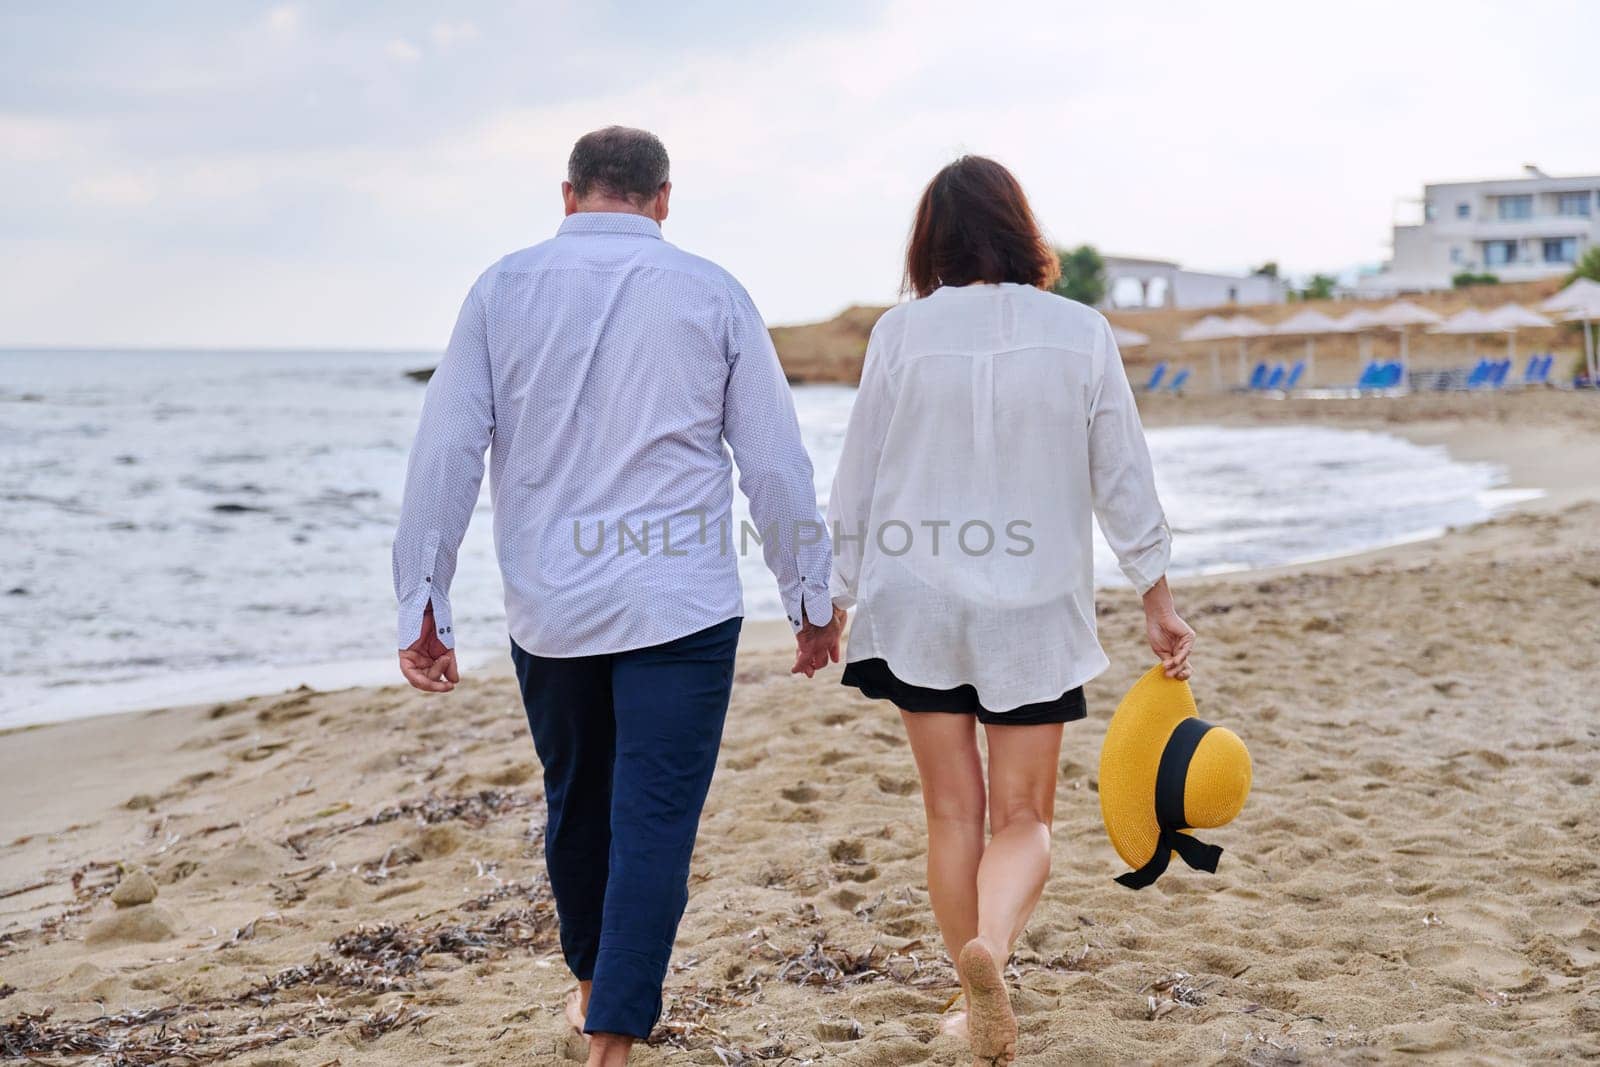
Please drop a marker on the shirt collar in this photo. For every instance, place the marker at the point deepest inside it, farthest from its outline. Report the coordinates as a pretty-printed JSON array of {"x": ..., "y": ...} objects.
[{"x": 610, "y": 222}]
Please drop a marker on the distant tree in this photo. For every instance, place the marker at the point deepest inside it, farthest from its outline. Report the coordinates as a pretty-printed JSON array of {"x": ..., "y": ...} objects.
[
  {"x": 1588, "y": 266},
  {"x": 1083, "y": 275},
  {"x": 1467, "y": 278},
  {"x": 1319, "y": 287},
  {"x": 1269, "y": 269}
]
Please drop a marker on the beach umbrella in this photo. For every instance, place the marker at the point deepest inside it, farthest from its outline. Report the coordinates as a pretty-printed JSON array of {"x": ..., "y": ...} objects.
[
  {"x": 1514, "y": 317},
  {"x": 1584, "y": 307},
  {"x": 1211, "y": 328},
  {"x": 1469, "y": 323},
  {"x": 1309, "y": 324},
  {"x": 1581, "y": 293},
  {"x": 1402, "y": 315},
  {"x": 1591, "y": 344},
  {"x": 1244, "y": 328},
  {"x": 1127, "y": 338},
  {"x": 1360, "y": 322},
  {"x": 1359, "y": 319},
  {"x": 1581, "y": 302}
]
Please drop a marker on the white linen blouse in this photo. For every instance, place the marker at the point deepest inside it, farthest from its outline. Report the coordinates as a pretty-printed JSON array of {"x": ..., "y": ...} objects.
[{"x": 991, "y": 422}]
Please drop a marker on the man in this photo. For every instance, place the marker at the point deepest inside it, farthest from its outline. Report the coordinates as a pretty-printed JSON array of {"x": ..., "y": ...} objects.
[{"x": 603, "y": 370}]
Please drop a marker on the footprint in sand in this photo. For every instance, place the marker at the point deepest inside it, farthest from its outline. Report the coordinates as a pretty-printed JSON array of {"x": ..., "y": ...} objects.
[
  {"x": 900, "y": 787},
  {"x": 434, "y": 842},
  {"x": 1485, "y": 964},
  {"x": 141, "y": 924},
  {"x": 249, "y": 861},
  {"x": 511, "y": 774},
  {"x": 850, "y": 861},
  {"x": 834, "y": 1030},
  {"x": 847, "y": 850}
]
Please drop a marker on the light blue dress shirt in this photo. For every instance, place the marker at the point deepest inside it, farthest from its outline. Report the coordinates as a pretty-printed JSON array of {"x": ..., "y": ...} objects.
[{"x": 603, "y": 370}]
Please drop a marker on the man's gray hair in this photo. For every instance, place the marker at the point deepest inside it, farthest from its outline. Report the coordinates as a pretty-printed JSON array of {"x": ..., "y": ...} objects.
[{"x": 620, "y": 162}]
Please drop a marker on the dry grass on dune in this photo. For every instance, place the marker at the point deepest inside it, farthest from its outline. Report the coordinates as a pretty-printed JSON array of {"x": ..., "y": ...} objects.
[{"x": 830, "y": 351}]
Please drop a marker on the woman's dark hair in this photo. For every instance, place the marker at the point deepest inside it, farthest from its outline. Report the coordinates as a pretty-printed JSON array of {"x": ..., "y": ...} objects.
[{"x": 974, "y": 224}]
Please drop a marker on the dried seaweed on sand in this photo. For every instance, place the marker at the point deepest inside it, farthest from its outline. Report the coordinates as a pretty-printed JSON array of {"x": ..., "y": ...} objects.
[
  {"x": 476, "y": 809},
  {"x": 183, "y": 1033}
]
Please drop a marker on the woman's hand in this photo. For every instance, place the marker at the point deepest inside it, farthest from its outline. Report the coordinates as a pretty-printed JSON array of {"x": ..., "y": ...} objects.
[{"x": 1171, "y": 639}]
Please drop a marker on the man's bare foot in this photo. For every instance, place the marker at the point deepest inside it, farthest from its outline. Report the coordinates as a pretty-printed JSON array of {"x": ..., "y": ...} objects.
[
  {"x": 955, "y": 1024},
  {"x": 991, "y": 1026},
  {"x": 577, "y": 1008}
]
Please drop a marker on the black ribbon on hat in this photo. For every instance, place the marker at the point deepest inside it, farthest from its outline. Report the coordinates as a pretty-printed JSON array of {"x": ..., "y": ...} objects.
[{"x": 1170, "y": 776}]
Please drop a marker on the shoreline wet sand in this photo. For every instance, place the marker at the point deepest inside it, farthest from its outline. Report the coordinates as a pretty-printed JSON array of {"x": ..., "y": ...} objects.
[{"x": 355, "y": 877}]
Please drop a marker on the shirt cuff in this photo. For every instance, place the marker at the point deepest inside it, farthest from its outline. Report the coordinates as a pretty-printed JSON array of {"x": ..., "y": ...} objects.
[
  {"x": 839, "y": 589},
  {"x": 411, "y": 613},
  {"x": 1147, "y": 566},
  {"x": 808, "y": 602}
]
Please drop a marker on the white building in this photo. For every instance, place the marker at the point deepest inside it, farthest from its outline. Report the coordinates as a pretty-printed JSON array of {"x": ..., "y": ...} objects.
[
  {"x": 1517, "y": 229},
  {"x": 1132, "y": 282}
]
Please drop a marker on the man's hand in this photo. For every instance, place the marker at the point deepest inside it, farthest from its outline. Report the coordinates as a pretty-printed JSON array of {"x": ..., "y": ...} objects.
[
  {"x": 817, "y": 645},
  {"x": 427, "y": 664}
]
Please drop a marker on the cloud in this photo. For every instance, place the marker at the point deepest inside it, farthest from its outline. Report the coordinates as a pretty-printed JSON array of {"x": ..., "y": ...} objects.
[
  {"x": 798, "y": 147},
  {"x": 115, "y": 190},
  {"x": 450, "y": 34},
  {"x": 285, "y": 20},
  {"x": 30, "y": 139},
  {"x": 402, "y": 50}
]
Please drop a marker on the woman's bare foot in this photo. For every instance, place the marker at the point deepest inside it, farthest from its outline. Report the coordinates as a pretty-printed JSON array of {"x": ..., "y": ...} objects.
[
  {"x": 991, "y": 1026},
  {"x": 578, "y": 1006}
]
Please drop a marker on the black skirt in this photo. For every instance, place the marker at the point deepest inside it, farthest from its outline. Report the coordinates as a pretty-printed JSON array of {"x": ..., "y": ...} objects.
[{"x": 874, "y": 678}]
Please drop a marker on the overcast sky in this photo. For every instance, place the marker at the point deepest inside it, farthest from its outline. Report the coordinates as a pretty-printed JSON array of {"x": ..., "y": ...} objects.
[{"x": 216, "y": 173}]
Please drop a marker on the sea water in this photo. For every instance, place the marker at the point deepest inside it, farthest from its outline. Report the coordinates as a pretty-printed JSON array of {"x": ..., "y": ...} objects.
[{"x": 187, "y": 526}]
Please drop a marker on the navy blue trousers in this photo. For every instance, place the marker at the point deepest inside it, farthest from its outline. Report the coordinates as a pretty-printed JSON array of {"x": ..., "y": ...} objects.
[{"x": 628, "y": 742}]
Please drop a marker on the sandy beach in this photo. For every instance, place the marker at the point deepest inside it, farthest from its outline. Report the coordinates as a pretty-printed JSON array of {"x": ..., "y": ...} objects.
[{"x": 355, "y": 877}]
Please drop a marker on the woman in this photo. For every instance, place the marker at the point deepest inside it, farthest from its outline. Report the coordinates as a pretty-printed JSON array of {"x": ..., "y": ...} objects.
[{"x": 993, "y": 419}]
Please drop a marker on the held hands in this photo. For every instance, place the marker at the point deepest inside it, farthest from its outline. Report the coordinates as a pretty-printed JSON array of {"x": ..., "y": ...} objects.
[
  {"x": 427, "y": 664},
  {"x": 1171, "y": 639},
  {"x": 817, "y": 645}
]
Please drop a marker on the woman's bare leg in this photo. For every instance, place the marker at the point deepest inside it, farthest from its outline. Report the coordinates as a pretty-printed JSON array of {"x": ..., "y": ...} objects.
[
  {"x": 1011, "y": 876},
  {"x": 1022, "y": 801},
  {"x": 946, "y": 750}
]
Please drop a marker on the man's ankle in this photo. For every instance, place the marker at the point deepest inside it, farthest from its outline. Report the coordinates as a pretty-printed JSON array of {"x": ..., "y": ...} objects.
[{"x": 609, "y": 1050}]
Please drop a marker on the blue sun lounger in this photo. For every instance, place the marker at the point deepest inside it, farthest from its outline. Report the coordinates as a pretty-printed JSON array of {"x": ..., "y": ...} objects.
[
  {"x": 1541, "y": 373},
  {"x": 1489, "y": 374},
  {"x": 1275, "y": 379},
  {"x": 1381, "y": 376},
  {"x": 1295, "y": 374},
  {"x": 1179, "y": 380},
  {"x": 1156, "y": 375},
  {"x": 1258, "y": 377}
]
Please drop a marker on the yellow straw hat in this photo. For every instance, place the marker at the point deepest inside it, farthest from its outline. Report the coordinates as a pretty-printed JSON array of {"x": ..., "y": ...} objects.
[{"x": 1162, "y": 771}]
